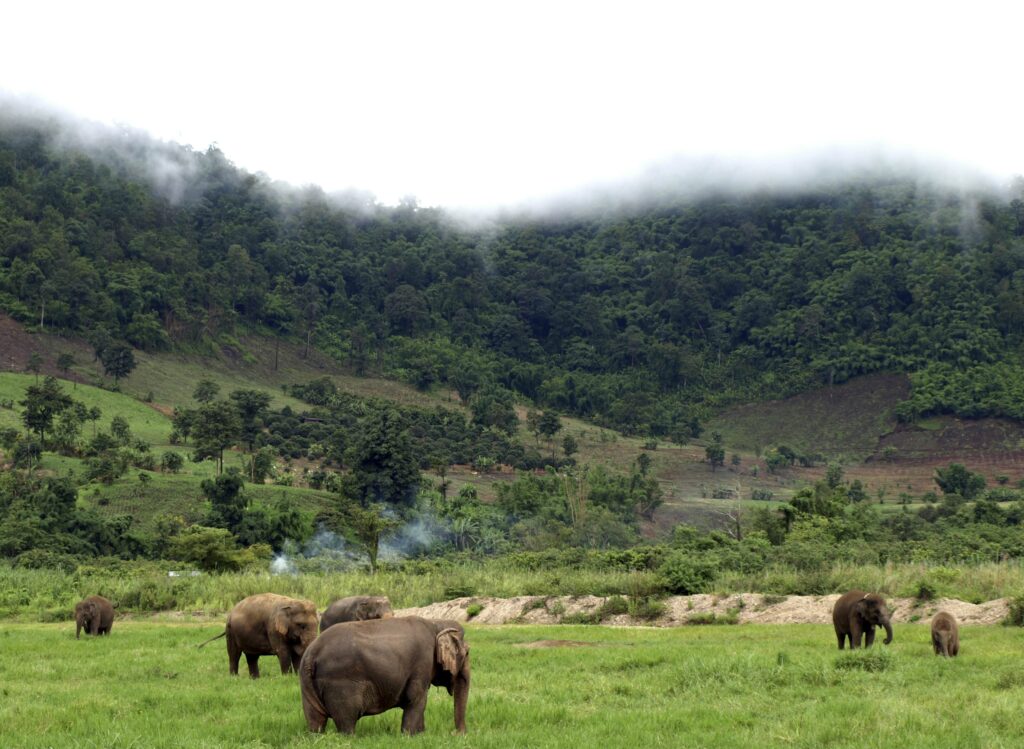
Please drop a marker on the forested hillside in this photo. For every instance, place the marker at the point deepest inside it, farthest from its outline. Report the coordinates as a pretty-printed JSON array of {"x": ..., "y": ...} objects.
[{"x": 645, "y": 320}]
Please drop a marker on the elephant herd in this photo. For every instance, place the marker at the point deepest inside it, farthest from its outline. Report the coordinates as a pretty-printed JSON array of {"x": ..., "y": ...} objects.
[
  {"x": 357, "y": 658},
  {"x": 856, "y": 614}
]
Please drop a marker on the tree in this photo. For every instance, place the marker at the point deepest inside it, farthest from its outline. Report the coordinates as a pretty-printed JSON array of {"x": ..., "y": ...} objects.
[
  {"x": 570, "y": 446},
  {"x": 216, "y": 428},
  {"x": 252, "y": 406},
  {"x": 94, "y": 415},
  {"x": 494, "y": 407},
  {"x": 206, "y": 391},
  {"x": 35, "y": 364},
  {"x": 118, "y": 360},
  {"x": 384, "y": 467},
  {"x": 549, "y": 425},
  {"x": 211, "y": 549},
  {"x": 121, "y": 430},
  {"x": 369, "y": 526},
  {"x": 956, "y": 479},
  {"x": 42, "y": 403},
  {"x": 227, "y": 500},
  {"x": 64, "y": 363},
  {"x": 171, "y": 462},
  {"x": 715, "y": 452}
]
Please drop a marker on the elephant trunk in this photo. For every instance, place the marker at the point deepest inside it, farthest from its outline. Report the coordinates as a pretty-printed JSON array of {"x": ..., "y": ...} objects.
[
  {"x": 461, "y": 691},
  {"x": 78, "y": 629},
  {"x": 888, "y": 632}
]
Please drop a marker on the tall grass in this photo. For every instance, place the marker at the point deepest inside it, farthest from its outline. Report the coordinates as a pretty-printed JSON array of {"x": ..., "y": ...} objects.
[{"x": 49, "y": 595}]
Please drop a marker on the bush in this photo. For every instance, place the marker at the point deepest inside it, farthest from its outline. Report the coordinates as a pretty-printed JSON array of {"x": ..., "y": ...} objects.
[
  {"x": 732, "y": 616},
  {"x": 473, "y": 609},
  {"x": 614, "y": 606},
  {"x": 684, "y": 574},
  {"x": 646, "y": 608},
  {"x": 1015, "y": 616}
]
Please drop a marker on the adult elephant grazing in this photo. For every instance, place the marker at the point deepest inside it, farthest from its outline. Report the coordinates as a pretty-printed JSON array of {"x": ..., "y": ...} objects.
[
  {"x": 858, "y": 613},
  {"x": 95, "y": 615},
  {"x": 355, "y": 609},
  {"x": 269, "y": 624},
  {"x": 945, "y": 634},
  {"x": 364, "y": 668}
]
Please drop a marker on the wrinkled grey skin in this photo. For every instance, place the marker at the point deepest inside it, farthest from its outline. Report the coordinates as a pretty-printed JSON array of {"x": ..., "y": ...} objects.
[
  {"x": 95, "y": 615},
  {"x": 856, "y": 614},
  {"x": 945, "y": 634},
  {"x": 268, "y": 624},
  {"x": 365, "y": 668},
  {"x": 356, "y": 609}
]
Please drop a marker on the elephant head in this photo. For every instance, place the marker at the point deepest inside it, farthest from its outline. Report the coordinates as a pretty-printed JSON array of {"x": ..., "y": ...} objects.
[
  {"x": 377, "y": 607},
  {"x": 296, "y": 623},
  {"x": 871, "y": 610},
  {"x": 87, "y": 617},
  {"x": 451, "y": 669}
]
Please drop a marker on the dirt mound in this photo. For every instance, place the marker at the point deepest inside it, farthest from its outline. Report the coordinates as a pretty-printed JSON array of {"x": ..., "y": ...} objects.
[{"x": 680, "y": 610}]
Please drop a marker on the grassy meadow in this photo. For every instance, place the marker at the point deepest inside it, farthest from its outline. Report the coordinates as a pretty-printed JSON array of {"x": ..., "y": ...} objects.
[{"x": 766, "y": 686}]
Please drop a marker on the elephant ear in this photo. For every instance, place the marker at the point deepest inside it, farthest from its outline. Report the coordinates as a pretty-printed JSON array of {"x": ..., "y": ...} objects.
[
  {"x": 281, "y": 620},
  {"x": 450, "y": 651}
]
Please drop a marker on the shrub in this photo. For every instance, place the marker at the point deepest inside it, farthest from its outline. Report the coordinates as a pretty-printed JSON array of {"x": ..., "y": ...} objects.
[
  {"x": 684, "y": 574},
  {"x": 646, "y": 608},
  {"x": 732, "y": 616},
  {"x": 1015, "y": 616},
  {"x": 473, "y": 609},
  {"x": 581, "y": 617},
  {"x": 614, "y": 606}
]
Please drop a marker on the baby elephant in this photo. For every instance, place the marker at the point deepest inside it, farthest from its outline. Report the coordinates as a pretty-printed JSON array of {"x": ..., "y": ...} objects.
[
  {"x": 945, "y": 634},
  {"x": 855, "y": 616},
  {"x": 364, "y": 668},
  {"x": 356, "y": 609},
  {"x": 95, "y": 615}
]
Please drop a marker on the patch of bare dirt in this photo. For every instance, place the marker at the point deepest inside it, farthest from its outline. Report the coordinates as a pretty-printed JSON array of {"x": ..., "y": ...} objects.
[{"x": 746, "y": 607}]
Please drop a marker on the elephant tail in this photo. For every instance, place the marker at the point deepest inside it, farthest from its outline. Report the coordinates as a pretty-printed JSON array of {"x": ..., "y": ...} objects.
[
  {"x": 312, "y": 701},
  {"x": 216, "y": 637}
]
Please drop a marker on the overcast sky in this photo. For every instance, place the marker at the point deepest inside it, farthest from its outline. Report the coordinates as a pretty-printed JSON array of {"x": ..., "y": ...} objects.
[{"x": 474, "y": 104}]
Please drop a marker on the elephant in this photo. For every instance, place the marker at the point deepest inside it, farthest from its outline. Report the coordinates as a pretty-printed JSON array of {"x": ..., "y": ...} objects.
[
  {"x": 268, "y": 624},
  {"x": 365, "y": 668},
  {"x": 945, "y": 634},
  {"x": 355, "y": 609},
  {"x": 857, "y": 613},
  {"x": 95, "y": 615}
]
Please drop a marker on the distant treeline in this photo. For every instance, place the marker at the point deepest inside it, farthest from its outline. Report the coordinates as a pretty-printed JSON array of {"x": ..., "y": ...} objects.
[{"x": 641, "y": 321}]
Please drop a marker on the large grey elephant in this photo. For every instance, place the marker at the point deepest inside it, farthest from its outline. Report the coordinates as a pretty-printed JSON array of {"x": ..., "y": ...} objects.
[
  {"x": 856, "y": 614},
  {"x": 365, "y": 668},
  {"x": 269, "y": 624},
  {"x": 95, "y": 615},
  {"x": 355, "y": 609}
]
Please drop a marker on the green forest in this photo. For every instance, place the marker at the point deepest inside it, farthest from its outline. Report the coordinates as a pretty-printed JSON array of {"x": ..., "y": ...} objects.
[
  {"x": 646, "y": 321},
  {"x": 643, "y": 321}
]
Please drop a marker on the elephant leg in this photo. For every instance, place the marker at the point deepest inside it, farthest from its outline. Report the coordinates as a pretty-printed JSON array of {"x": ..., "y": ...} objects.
[
  {"x": 841, "y": 636},
  {"x": 869, "y": 637},
  {"x": 253, "y": 661},
  {"x": 412, "y": 713},
  {"x": 855, "y": 637},
  {"x": 284, "y": 657},
  {"x": 343, "y": 704},
  {"x": 234, "y": 655},
  {"x": 296, "y": 660}
]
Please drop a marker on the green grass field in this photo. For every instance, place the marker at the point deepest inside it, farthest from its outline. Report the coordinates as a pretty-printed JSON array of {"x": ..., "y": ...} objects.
[{"x": 750, "y": 686}]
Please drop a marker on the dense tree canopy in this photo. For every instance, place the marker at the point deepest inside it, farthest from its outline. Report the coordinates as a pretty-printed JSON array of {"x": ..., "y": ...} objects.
[{"x": 642, "y": 320}]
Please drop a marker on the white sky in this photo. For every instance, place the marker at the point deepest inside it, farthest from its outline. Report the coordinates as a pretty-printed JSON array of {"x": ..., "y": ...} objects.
[{"x": 473, "y": 104}]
